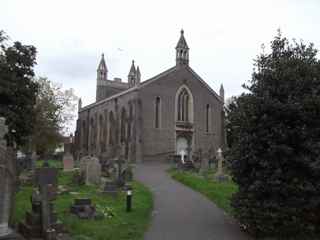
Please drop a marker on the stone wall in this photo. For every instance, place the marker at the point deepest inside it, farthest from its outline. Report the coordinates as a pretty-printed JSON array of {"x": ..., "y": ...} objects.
[
  {"x": 158, "y": 142},
  {"x": 99, "y": 133},
  {"x": 105, "y": 125}
]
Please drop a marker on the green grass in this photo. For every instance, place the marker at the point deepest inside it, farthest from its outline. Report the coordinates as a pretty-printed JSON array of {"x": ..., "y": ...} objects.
[
  {"x": 52, "y": 163},
  {"x": 218, "y": 192},
  {"x": 123, "y": 225}
]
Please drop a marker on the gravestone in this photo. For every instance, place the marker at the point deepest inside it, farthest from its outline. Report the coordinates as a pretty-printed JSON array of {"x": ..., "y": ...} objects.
[
  {"x": 93, "y": 172},
  {"x": 82, "y": 176},
  {"x": 83, "y": 164},
  {"x": 121, "y": 175},
  {"x": 68, "y": 162},
  {"x": 220, "y": 162},
  {"x": 41, "y": 222},
  {"x": 120, "y": 171},
  {"x": 83, "y": 208},
  {"x": 219, "y": 174},
  {"x": 204, "y": 161},
  {"x": 46, "y": 176}
]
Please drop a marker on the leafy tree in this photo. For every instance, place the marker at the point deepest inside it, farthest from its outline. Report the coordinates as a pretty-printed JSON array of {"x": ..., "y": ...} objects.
[
  {"x": 275, "y": 151},
  {"x": 54, "y": 110},
  {"x": 17, "y": 90}
]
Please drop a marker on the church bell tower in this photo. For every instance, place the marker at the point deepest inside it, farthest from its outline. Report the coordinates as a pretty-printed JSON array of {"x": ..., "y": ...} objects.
[
  {"x": 102, "y": 70},
  {"x": 182, "y": 51}
]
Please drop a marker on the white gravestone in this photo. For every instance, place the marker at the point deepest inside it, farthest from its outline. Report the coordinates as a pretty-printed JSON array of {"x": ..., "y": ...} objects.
[{"x": 220, "y": 162}]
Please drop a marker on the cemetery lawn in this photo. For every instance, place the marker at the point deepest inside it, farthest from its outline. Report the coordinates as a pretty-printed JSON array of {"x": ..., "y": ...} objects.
[
  {"x": 218, "y": 192},
  {"x": 122, "y": 225}
]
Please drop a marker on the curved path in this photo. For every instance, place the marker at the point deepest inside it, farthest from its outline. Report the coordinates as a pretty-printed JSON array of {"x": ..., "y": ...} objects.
[{"x": 181, "y": 213}]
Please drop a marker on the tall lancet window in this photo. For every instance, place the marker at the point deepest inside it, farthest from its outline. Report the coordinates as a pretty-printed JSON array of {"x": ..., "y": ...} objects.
[
  {"x": 207, "y": 117},
  {"x": 123, "y": 126},
  {"x": 183, "y": 106},
  {"x": 157, "y": 112},
  {"x": 111, "y": 128},
  {"x": 101, "y": 135}
]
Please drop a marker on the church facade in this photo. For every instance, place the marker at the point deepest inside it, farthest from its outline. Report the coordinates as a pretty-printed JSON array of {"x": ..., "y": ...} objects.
[{"x": 175, "y": 112}]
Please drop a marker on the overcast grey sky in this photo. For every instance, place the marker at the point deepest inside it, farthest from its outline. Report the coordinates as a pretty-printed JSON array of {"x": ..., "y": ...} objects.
[{"x": 224, "y": 36}]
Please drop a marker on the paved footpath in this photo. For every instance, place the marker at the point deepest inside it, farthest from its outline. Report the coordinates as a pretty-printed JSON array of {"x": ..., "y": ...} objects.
[{"x": 181, "y": 213}]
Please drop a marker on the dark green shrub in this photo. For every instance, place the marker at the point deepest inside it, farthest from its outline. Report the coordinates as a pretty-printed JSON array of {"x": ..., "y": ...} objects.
[{"x": 275, "y": 151}]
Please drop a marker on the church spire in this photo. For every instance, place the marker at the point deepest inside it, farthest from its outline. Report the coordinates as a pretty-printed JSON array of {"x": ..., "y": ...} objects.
[
  {"x": 79, "y": 104},
  {"x": 138, "y": 76},
  {"x": 182, "y": 51},
  {"x": 132, "y": 75},
  {"x": 102, "y": 70},
  {"x": 221, "y": 92}
]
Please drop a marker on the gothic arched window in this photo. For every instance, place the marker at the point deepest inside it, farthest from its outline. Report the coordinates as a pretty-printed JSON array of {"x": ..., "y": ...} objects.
[
  {"x": 84, "y": 134},
  {"x": 183, "y": 106},
  {"x": 92, "y": 133},
  {"x": 130, "y": 120},
  {"x": 123, "y": 125},
  {"x": 105, "y": 129},
  {"x": 101, "y": 133},
  {"x": 207, "y": 117},
  {"x": 157, "y": 112},
  {"x": 111, "y": 128}
]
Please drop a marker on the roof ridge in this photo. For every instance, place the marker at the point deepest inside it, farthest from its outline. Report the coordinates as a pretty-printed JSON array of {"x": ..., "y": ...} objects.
[{"x": 204, "y": 83}]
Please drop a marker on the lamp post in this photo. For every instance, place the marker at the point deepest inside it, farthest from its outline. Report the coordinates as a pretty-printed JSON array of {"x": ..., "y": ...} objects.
[{"x": 129, "y": 199}]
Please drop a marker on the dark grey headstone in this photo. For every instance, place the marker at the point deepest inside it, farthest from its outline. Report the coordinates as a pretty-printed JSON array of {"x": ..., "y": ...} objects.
[{"x": 45, "y": 176}]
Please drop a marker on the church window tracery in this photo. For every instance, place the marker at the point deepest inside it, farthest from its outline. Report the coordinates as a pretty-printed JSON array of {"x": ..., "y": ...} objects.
[{"x": 183, "y": 106}]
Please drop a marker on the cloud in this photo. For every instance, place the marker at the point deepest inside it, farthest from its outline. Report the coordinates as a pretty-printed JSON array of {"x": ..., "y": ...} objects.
[{"x": 224, "y": 36}]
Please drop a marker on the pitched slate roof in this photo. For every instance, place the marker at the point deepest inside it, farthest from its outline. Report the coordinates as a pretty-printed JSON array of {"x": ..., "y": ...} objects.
[{"x": 151, "y": 80}]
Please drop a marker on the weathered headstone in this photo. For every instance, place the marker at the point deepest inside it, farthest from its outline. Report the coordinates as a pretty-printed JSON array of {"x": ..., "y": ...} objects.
[
  {"x": 41, "y": 222},
  {"x": 83, "y": 208},
  {"x": 120, "y": 171},
  {"x": 68, "y": 162},
  {"x": 45, "y": 176},
  {"x": 93, "y": 171},
  {"x": 219, "y": 174},
  {"x": 220, "y": 162},
  {"x": 83, "y": 163}
]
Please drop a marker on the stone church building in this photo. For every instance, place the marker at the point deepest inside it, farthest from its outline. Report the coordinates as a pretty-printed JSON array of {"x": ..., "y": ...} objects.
[{"x": 174, "y": 112}]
